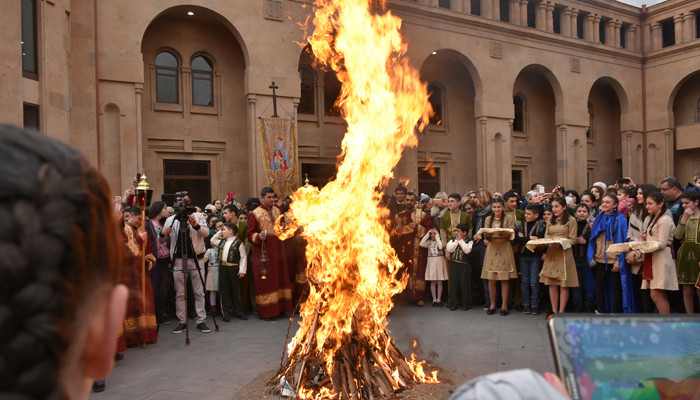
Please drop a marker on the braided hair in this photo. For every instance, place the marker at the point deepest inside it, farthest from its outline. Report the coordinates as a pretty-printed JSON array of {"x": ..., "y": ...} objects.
[{"x": 59, "y": 246}]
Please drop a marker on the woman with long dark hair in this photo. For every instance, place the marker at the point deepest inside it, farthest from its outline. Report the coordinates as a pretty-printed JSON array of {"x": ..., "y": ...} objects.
[
  {"x": 659, "y": 270},
  {"x": 499, "y": 263},
  {"x": 637, "y": 224},
  {"x": 559, "y": 268},
  {"x": 614, "y": 290}
]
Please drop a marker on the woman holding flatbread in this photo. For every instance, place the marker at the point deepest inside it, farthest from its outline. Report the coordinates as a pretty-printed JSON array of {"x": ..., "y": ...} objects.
[
  {"x": 659, "y": 270},
  {"x": 499, "y": 263},
  {"x": 559, "y": 267}
]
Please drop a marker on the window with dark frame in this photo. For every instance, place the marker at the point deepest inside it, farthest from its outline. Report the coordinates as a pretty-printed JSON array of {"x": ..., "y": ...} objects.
[
  {"x": 602, "y": 28},
  {"x": 519, "y": 119},
  {"x": 531, "y": 14},
  {"x": 29, "y": 40},
  {"x": 193, "y": 176},
  {"x": 517, "y": 180},
  {"x": 579, "y": 24},
  {"x": 429, "y": 180},
  {"x": 202, "y": 82},
  {"x": 668, "y": 33},
  {"x": 556, "y": 20},
  {"x": 436, "y": 101},
  {"x": 591, "y": 123},
  {"x": 476, "y": 7},
  {"x": 623, "y": 36},
  {"x": 167, "y": 78},
  {"x": 331, "y": 93},
  {"x": 445, "y": 4},
  {"x": 307, "y": 102},
  {"x": 31, "y": 116},
  {"x": 505, "y": 10}
]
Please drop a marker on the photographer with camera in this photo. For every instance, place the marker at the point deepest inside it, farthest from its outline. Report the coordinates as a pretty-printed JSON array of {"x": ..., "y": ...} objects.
[{"x": 185, "y": 232}]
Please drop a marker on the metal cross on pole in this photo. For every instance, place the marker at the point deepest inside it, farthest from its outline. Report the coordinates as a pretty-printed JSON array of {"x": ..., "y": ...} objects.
[{"x": 274, "y": 98}]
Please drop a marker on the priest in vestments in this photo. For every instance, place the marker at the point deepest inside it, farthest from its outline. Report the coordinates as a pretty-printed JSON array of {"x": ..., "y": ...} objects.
[
  {"x": 273, "y": 289},
  {"x": 139, "y": 325},
  {"x": 410, "y": 226}
]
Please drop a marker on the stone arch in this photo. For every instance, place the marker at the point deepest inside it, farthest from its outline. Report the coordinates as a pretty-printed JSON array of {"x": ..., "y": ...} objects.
[
  {"x": 539, "y": 141},
  {"x": 449, "y": 147},
  {"x": 684, "y": 116},
  {"x": 674, "y": 92},
  {"x": 466, "y": 63},
  {"x": 622, "y": 97},
  {"x": 605, "y": 109},
  {"x": 553, "y": 82},
  {"x": 211, "y": 130},
  {"x": 202, "y": 13}
]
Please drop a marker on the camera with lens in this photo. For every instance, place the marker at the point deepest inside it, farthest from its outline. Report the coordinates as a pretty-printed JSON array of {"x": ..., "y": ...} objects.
[{"x": 183, "y": 207}]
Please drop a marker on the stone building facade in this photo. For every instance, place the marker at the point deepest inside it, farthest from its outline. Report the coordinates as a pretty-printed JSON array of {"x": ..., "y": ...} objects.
[{"x": 561, "y": 91}]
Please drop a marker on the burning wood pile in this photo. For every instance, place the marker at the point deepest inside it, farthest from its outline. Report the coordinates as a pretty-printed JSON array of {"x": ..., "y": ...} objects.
[
  {"x": 342, "y": 349},
  {"x": 362, "y": 368}
]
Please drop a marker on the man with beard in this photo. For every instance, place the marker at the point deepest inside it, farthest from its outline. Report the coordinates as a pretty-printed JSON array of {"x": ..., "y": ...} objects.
[
  {"x": 410, "y": 226},
  {"x": 273, "y": 290}
]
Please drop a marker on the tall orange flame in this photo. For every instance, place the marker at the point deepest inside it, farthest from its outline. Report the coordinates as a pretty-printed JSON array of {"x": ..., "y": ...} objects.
[{"x": 352, "y": 267}]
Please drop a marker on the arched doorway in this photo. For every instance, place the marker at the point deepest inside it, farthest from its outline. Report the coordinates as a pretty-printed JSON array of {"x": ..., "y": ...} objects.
[
  {"x": 446, "y": 148},
  {"x": 686, "y": 117},
  {"x": 534, "y": 146},
  {"x": 603, "y": 135},
  {"x": 194, "y": 105}
]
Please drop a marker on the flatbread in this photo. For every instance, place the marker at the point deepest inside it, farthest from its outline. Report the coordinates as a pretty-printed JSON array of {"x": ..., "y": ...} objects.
[
  {"x": 532, "y": 244},
  {"x": 643, "y": 247},
  {"x": 499, "y": 232}
]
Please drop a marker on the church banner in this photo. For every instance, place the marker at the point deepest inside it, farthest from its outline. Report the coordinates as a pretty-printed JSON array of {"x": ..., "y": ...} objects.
[{"x": 279, "y": 154}]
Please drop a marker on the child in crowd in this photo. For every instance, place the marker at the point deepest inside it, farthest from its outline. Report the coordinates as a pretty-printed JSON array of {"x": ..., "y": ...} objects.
[
  {"x": 625, "y": 198},
  {"x": 435, "y": 270},
  {"x": 580, "y": 295},
  {"x": 547, "y": 214},
  {"x": 531, "y": 261},
  {"x": 460, "y": 282},
  {"x": 211, "y": 260},
  {"x": 689, "y": 252},
  {"x": 499, "y": 263}
]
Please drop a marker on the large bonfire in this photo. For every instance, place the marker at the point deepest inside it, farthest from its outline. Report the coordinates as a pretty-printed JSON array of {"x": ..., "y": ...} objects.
[{"x": 342, "y": 349}]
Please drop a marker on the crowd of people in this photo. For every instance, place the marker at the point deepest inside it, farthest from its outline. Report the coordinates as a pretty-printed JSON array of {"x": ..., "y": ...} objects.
[
  {"x": 63, "y": 307},
  {"x": 483, "y": 247},
  {"x": 471, "y": 249}
]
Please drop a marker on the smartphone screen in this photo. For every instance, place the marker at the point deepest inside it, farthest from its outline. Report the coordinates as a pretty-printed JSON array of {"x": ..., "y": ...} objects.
[{"x": 628, "y": 357}]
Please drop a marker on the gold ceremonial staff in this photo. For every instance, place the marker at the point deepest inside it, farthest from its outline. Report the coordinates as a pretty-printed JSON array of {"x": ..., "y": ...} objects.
[{"x": 143, "y": 196}]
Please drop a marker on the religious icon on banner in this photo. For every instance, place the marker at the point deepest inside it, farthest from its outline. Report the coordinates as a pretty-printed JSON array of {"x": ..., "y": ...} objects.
[{"x": 279, "y": 143}]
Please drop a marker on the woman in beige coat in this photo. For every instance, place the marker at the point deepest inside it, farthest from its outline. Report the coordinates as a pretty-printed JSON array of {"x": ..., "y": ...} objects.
[{"x": 661, "y": 274}]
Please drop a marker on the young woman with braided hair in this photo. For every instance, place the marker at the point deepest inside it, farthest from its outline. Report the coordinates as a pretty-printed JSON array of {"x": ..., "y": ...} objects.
[
  {"x": 659, "y": 270},
  {"x": 60, "y": 306}
]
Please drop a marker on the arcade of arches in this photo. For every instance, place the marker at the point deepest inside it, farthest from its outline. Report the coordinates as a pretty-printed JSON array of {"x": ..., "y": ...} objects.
[{"x": 518, "y": 98}]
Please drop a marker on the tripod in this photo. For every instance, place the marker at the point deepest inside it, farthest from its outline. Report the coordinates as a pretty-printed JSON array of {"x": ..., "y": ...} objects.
[{"x": 187, "y": 248}]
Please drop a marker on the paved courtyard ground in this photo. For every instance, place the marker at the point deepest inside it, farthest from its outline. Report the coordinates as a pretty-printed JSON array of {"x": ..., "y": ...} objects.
[{"x": 215, "y": 365}]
